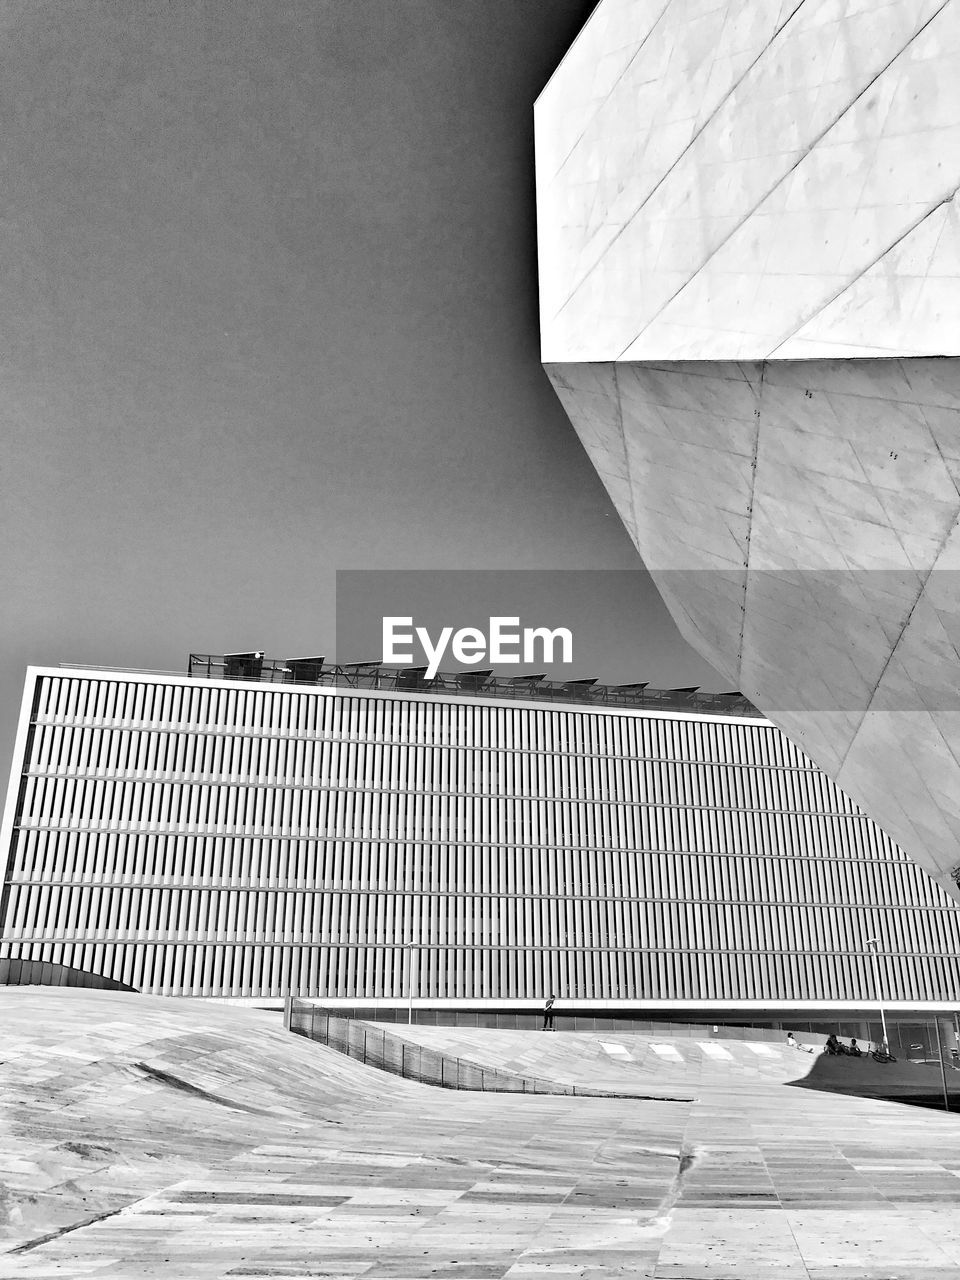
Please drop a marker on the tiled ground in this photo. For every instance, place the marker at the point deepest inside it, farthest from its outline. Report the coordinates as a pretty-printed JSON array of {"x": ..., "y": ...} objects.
[{"x": 219, "y": 1146}]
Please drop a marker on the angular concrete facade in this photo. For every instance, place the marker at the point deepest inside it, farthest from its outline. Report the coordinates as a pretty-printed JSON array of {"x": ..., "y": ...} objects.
[{"x": 750, "y": 308}]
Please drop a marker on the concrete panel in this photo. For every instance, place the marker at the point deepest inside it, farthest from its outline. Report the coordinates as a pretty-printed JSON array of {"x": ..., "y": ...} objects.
[
  {"x": 801, "y": 521},
  {"x": 743, "y": 179},
  {"x": 749, "y": 235}
]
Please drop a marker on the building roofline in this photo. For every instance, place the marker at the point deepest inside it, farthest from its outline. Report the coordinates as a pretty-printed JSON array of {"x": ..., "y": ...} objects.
[
  {"x": 379, "y": 681},
  {"x": 378, "y": 676}
]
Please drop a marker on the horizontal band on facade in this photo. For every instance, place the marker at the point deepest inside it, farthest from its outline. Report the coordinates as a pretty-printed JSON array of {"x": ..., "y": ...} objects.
[
  {"x": 338, "y": 789},
  {"x": 887, "y": 857},
  {"x": 641, "y": 1004},
  {"x": 451, "y": 793},
  {"x": 233, "y": 690},
  {"x": 456, "y": 948},
  {"x": 344, "y": 740},
  {"x": 455, "y": 897}
]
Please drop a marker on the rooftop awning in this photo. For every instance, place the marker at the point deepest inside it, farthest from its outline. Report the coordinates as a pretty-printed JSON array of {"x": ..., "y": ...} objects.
[{"x": 473, "y": 679}]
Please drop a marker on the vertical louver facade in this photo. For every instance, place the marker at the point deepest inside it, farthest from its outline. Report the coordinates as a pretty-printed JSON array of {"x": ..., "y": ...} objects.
[{"x": 224, "y": 838}]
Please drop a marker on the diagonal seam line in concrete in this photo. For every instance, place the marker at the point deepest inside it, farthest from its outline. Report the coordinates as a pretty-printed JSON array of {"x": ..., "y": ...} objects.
[
  {"x": 815, "y": 142},
  {"x": 652, "y": 192},
  {"x": 849, "y": 284},
  {"x": 924, "y": 579},
  {"x": 603, "y": 102},
  {"x": 753, "y": 490},
  {"x": 631, "y": 483},
  {"x": 37, "y": 1241},
  {"x": 921, "y": 589}
]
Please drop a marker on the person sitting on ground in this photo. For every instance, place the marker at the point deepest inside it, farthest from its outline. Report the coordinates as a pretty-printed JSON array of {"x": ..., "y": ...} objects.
[
  {"x": 832, "y": 1046},
  {"x": 854, "y": 1051},
  {"x": 791, "y": 1041}
]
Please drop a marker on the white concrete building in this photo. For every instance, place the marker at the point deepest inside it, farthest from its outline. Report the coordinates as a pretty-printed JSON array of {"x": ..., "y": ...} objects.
[{"x": 750, "y": 307}]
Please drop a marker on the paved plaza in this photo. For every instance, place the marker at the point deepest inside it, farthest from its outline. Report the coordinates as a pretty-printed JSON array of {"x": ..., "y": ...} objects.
[{"x": 149, "y": 1137}]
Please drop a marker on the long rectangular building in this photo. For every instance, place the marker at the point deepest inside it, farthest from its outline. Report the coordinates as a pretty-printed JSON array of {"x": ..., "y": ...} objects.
[{"x": 238, "y": 832}]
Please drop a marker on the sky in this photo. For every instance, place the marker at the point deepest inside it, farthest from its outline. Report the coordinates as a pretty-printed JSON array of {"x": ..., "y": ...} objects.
[{"x": 268, "y": 310}]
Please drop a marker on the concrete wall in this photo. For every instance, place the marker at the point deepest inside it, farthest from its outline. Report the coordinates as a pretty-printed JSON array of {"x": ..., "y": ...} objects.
[
  {"x": 752, "y": 179},
  {"x": 750, "y": 258}
]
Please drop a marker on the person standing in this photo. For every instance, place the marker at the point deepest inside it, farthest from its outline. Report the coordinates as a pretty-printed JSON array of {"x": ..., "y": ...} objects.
[{"x": 548, "y": 1014}]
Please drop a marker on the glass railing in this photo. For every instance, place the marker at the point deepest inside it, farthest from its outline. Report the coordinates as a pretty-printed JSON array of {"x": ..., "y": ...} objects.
[
  {"x": 387, "y": 1051},
  {"x": 474, "y": 684}
]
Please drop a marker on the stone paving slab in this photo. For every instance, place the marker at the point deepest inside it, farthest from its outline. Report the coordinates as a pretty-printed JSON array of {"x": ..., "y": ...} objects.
[{"x": 262, "y": 1154}]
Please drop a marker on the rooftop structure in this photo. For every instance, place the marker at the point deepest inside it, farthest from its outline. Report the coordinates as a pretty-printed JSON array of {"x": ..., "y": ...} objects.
[{"x": 474, "y": 684}]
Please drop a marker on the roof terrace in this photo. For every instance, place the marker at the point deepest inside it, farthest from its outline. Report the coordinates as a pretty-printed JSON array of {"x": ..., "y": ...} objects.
[{"x": 476, "y": 684}]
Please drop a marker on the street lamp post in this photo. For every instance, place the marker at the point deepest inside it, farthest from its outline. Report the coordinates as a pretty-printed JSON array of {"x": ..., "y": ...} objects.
[
  {"x": 408, "y": 947},
  {"x": 943, "y": 1069},
  {"x": 873, "y": 946}
]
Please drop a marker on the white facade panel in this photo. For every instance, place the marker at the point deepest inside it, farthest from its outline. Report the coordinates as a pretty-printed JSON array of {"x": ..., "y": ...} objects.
[{"x": 750, "y": 180}]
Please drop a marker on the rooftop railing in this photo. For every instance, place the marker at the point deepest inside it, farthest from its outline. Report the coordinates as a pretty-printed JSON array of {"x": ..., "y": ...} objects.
[{"x": 474, "y": 684}]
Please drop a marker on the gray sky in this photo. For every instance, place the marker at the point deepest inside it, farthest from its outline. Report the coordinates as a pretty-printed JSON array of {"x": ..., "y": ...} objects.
[{"x": 268, "y": 309}]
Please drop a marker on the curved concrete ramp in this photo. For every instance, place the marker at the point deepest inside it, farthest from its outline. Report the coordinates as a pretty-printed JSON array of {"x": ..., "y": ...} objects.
[
  {"x": 147, "y": 1137},
  {"x": 618, "y": 1060},
  {"x": 635, "y": 1062}
]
